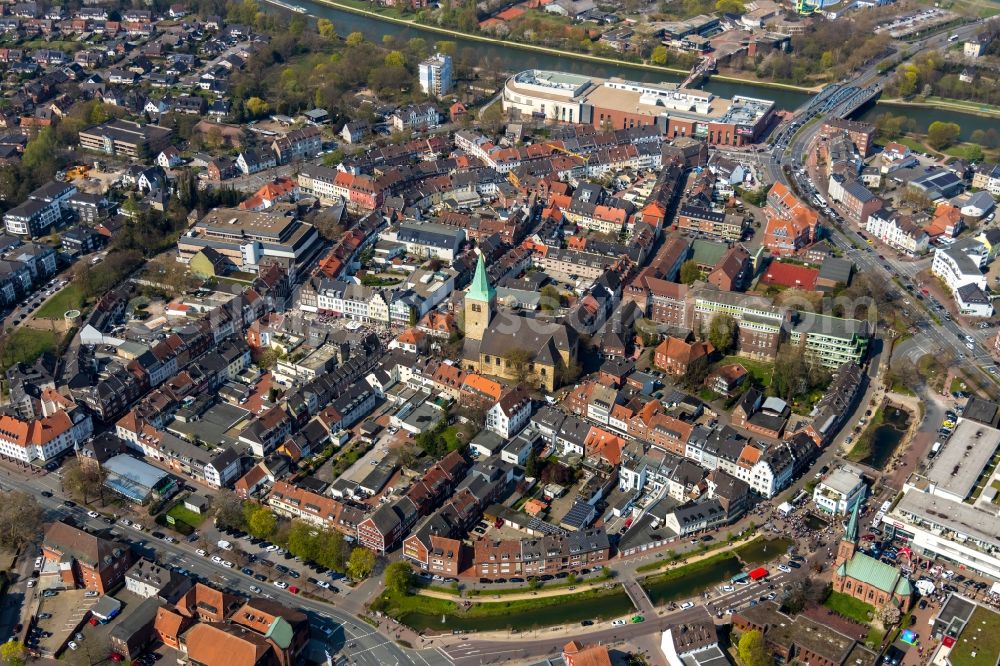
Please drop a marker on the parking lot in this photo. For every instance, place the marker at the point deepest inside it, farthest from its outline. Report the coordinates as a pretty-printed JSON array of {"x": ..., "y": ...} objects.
[
  {"x": 257, "y": 564},
  {"x": 59, "y": 617},
  {"x": 33, "y": 301}
]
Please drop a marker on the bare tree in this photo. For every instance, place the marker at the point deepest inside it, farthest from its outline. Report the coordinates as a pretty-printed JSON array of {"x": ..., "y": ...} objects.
[
  {"x": 20, "y": 519},
  {"x": 83, "y": 481}
]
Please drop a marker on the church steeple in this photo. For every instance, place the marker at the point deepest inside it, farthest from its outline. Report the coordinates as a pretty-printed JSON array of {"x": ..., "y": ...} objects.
[
  {"x": 480, "y": 301},
  {"x": 481, "y": 289},
  {"x": 849, "y": 542},
  {"x": 851, "y": 532}
]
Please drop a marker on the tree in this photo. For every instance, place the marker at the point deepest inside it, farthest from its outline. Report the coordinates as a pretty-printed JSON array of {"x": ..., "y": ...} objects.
[
  {"x": 83, "y": 481},
  {"x": 257, "y": 107},
  {"x": 228, "y": 509},
  {"x": 331, "y": 550},
  {"x": 974, "y": 153},
  {"x": 941, "y": 134},
  {"x": 326, "y": 28},
  {"x": 355, "y": 39},
  {"x": 722, "y": 333},
  {"x": 752, "y": 651},
  {"x": 361, "y": 563},
  {"x": 491, "y": 118},
  {"x": 261, "y": 521},
  {"x": 550, "y": 298},
  {"x": 301, "y": 541},
  {"x": 20, "y": 519},
  {"x": 13, "y": 653},
  {"x": 531, "y": 465},
  {"x": 907, "y": 80},
  {"x": 690, "y": 271},
  {"x": 40, "y": 153},
  {"x": 267, "y": 358},
  {"x": 803, "y": 593},
  {"x": 826, "y": 60},
  {"x": 518, "y": 361},
  {"x": 659, "y": 56},
  {"x": 888, "y": 615},
  {"x": 730, "y": 7},
  {"x": 398, "y": 577},
  {"x": 395, "y": 59}
]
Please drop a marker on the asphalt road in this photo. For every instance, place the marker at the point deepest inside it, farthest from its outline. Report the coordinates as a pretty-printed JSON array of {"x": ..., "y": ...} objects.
[{"x": 949, "y": 335}]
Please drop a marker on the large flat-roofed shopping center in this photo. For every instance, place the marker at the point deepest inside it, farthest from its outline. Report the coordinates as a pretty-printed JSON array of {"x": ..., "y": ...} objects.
[
  {"x": 616, "y": 104},
  {"x": 950, "y": 511}
]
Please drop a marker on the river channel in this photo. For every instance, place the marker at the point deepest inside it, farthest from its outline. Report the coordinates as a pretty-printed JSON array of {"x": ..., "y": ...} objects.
[{"x": 514, "y": 60}]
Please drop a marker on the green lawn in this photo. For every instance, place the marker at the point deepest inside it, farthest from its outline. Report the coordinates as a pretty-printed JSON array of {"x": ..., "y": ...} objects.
[
  {"x": 964, "y": 151},
  {"x": 761, "y": 371},
  {"x": 913, "y": 144},
  {"x": 980, "y": 637},
  {"x": 27, "y": 344},
  {"x": 182, "y": 514},
  {"x": 396, "y": 605},
  {"x": 70, "y": 298},
  {"x": 54, "y": 44},
  {"x": 874, "y": 638},
  {"x": 686, "y": 570},
  {"x": 850, "y": 607},
  {"x": 455, "y": 437}
]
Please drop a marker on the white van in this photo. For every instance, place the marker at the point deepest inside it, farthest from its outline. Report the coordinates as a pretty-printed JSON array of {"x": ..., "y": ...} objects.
[{"x": 224, "y": 545}]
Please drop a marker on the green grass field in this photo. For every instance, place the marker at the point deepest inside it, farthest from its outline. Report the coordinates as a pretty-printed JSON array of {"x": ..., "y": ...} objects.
[
  {"x": 184, "y": 515},
  {"x": 759, "y": 370},
  {"x": 70, "y": 298},
  {"x": 850, "y": 607},
  {"x": 27, "y": 344}
]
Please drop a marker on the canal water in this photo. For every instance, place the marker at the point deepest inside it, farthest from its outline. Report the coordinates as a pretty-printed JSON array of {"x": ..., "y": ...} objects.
[
  {"x": 514, "y": 60},
  {"x": 673, "y": 589},
  {"x": 566, "y": 612},
  {"x": 887, "y": 437}
]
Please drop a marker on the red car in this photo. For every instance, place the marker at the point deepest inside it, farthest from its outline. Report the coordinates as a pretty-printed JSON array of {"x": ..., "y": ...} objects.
[{"x": 293, "y": 589}]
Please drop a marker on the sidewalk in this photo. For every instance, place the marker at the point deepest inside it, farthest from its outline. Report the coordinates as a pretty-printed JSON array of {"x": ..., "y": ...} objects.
[
  {"x": 518, "y": 596},
  {"x": 700, "y": 556}
]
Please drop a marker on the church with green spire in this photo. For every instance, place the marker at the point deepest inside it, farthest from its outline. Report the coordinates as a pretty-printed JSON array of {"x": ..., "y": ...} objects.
[
  {"x": 504, "y": 344},
  {"x": 865, "y": 578},
  {"x": 480, "y": 303}
]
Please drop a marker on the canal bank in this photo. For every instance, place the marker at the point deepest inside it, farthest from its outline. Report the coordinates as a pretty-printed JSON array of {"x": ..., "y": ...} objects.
[
  {"x": 517, "y": 57},
  {"x": 945, "y": 105},
  {"x": 432, "y": 614},
  {"x": 521, "y": 610}
]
